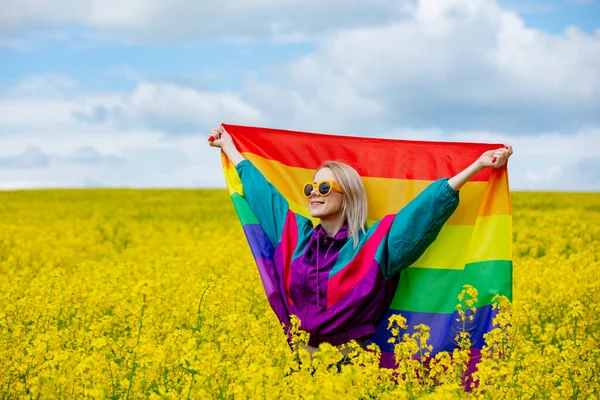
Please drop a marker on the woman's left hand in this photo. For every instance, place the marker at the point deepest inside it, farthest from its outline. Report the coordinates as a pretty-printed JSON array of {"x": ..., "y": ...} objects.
[{"x": 495, "y": 158}]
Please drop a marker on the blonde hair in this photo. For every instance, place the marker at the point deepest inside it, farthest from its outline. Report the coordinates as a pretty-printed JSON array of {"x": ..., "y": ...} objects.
[{"x": 354, "y": 200}]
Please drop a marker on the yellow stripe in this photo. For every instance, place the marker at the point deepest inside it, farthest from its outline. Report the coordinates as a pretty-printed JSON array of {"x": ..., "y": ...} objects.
[
  {"x": 232, "y": 179},
  {"x": 491, "y": 239},
  {"x": 388, "y": 196},
  {"x": 456, "y": 245}
]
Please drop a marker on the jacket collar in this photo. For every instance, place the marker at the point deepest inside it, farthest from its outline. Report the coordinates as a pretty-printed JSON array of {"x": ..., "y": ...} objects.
[{"x": 342, "y": 234}]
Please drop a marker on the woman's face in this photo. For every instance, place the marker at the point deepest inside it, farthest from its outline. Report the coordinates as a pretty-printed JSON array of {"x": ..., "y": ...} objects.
[{"x": 325, "y": 206}]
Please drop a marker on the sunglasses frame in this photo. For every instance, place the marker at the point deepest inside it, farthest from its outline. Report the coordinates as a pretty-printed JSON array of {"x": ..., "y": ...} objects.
[{"x": 332, "y": 186}]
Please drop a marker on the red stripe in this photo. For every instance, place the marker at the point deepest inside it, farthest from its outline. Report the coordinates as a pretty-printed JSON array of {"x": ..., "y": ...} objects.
[
  {"x": 384, "y": 158},
  {"x": 345, "y": 280},
  {"x": 289, "y": 240}
]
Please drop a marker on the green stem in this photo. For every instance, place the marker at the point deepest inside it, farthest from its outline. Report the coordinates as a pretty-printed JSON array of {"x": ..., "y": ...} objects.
[
  {"x": 131, "y": 375},
  {"x": 191, "y": 384},
  {"x": 136, "y": 345},
  {"x": 409, "y": 384}
]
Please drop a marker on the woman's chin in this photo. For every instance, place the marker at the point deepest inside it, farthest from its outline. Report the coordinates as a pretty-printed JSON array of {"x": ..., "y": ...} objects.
[{"x": 316, "y": 213}]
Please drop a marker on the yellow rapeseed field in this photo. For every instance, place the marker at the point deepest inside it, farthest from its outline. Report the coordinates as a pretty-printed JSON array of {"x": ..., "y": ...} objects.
[{"x": 154, "y": 294}]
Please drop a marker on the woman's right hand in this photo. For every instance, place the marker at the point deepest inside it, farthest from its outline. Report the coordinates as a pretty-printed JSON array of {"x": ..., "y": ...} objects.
[{"x": 219, "y": 137}]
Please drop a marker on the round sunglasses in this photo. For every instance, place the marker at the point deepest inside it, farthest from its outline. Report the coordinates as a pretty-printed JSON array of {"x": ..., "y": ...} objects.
[{"x": 323, "y": 188}]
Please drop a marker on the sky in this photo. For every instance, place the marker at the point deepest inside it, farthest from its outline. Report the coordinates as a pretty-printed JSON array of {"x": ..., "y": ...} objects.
[{"x": 106, "y": 93}]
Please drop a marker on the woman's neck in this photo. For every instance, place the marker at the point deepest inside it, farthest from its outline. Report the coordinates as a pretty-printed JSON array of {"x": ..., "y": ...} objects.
[{"x": 331, "y": 226}]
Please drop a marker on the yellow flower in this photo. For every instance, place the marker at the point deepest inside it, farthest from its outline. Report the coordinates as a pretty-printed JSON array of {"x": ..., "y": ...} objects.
[{"x": 155, "y": 294}]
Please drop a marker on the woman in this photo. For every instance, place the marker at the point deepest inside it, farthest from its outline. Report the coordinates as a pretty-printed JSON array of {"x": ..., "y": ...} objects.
[{"x": 339, "y": 277}]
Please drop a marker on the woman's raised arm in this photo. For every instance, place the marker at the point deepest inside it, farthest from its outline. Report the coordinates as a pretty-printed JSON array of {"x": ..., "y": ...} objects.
[
  {"x": 267, "y": 204},
  {"x": 489, "y": 159},
  {"x": 417, "y": 225}
]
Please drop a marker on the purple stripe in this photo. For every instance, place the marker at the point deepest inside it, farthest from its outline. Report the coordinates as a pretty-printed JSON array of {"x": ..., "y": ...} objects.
[
  {"x": 259, "y": 242},
  {"x": 268, "y": 275},
  {"x": 387, "y": 360},
  {"x": 444, "y": 328}
]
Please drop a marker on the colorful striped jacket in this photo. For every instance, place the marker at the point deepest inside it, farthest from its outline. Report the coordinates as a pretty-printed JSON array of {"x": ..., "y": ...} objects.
[{"x": 340, "y": 292}]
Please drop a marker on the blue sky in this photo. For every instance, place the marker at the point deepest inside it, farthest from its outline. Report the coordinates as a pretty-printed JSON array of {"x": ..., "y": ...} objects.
[{"x": 107, "y": 93}]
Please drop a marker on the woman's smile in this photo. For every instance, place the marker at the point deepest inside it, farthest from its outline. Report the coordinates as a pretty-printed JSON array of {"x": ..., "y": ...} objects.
[{"x": 328, "y": 206}]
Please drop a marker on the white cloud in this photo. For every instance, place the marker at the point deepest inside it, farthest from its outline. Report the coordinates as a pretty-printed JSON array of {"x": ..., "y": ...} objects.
[
  {"x": 30, "y": 157},
  {"x": 168, "y": 107},
  {"x": 465, "y": 70},
  {"x": 530, "y": 7},
  {"x": 16, "y": 14},
  {"x": 163, "y": 20},
  {"x": 581, "y": 175},
  {"x": 459, "y": 64},
  {"x": 544, "y": 176},
  {"x": 47, "y": 114},
  {"x": 46, "y": 85},
  {"x": 103, "y": 160}
]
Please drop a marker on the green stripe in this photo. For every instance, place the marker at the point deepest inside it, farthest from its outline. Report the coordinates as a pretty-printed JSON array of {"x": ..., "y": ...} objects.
[
  {"x": 436, "y": 290},
  {"x": 243, "y": 210}
]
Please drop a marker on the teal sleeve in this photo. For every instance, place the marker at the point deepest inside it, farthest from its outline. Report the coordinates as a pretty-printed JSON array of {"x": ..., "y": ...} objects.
[
  {"x": 418, "y": 224},
  {"x": 268, "y": 205}
]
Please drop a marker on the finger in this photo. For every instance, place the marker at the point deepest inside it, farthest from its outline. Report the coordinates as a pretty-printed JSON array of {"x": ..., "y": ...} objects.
[{"x": 212, "y": 138}]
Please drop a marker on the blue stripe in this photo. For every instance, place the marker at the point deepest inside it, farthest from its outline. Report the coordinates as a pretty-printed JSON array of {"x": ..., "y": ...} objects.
[
  {"x": 259, "y": 242},
  {"x": 444, "y": 328}
]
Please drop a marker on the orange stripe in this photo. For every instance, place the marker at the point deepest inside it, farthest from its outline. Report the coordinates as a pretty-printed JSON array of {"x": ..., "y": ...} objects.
[{"x": 388, "y": 196}]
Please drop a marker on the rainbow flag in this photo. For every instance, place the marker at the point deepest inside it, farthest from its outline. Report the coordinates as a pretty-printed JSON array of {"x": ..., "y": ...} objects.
[{"x": 473, "y": 247}]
